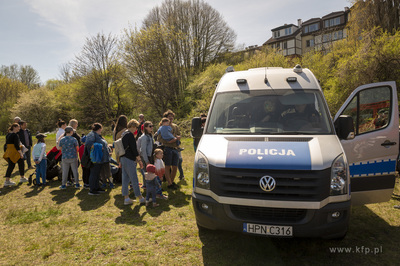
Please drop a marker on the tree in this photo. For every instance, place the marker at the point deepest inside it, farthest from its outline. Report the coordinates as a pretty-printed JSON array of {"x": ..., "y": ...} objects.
[
  {"x": 152, "y": 66},
  {"x": 38, "y": 107},
  {"x": 98, "y": 71},
  {"x": 177, "y": 40},
  {"x": 206, "y": 33},
  {"x": 10, "y": 91},
  {"x": 367, "y": 14},
  {"x": 25, "y": 74}
]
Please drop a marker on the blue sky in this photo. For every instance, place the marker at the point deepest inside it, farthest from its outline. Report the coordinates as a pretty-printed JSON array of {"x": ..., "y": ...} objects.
[{"x": 49, "y": 33}]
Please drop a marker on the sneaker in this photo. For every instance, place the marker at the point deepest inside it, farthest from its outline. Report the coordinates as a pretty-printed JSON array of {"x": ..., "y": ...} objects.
[
  {"x": 63, "y": 187},
  {"x": 181, "y": 177},
  {"x": 147, "y": 203},
  {"x": 111, "y": 185},
  {"x": 162, "y": 196},
  {"x": 180, "y": 149},
  {"x": 142, "y": 200},
  {"x": 38, "y": 184},
  {"x": 93, "y": 193},
  {"x": 86, "y": 186},
  {"x": 77, "y": 185},
  {"x": 396, "y": 206},
  {"x": 155, "y": 204},
  {"x": 9, "y": 183},
  {"x": 23, "y": 180},
  {"x": 128, "y": 201}
]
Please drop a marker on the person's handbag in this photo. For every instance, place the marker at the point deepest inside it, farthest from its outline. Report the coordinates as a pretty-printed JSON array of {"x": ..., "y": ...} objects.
[{"x": 23, "y": 148}]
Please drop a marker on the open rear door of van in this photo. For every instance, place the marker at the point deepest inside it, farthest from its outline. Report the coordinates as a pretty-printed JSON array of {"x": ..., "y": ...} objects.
[{"x": 372, "y": 154}]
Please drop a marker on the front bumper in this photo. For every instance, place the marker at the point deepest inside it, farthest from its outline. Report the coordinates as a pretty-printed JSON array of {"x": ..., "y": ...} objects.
[{"x": 306, "y": 223}]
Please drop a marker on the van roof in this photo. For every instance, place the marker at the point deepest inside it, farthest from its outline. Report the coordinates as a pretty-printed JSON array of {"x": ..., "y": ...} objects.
[{"x": 277, "y": 78}]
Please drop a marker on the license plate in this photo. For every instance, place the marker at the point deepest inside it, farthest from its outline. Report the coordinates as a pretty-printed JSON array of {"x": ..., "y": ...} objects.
[{"x": 270, "y": 230}]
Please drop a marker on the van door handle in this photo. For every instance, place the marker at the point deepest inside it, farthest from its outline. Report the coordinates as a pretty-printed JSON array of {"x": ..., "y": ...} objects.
[{"x": 388, "y": 143}]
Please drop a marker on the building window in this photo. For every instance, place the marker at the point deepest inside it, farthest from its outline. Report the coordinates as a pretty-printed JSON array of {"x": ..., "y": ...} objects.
[
  {"x": 288, "y": 31},
  {"x": 311, "y": 28},
  {"x": 310, "y": 43},
  {"x": 338, "y": 35},
  {"x": 284, "y": 45},
  {"x": 277, "y": 34},
  {"x": 331, "y": 22}
]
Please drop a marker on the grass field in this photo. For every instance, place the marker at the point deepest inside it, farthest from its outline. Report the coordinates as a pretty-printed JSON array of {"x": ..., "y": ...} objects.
[{"x": 48, "y": 226}]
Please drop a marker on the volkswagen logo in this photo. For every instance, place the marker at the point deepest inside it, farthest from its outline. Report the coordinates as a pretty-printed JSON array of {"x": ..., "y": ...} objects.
[{"x": 267, "y": 183}]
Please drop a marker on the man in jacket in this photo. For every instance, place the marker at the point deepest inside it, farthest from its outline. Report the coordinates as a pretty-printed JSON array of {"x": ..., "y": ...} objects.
[{"x": 26, "y": 139}]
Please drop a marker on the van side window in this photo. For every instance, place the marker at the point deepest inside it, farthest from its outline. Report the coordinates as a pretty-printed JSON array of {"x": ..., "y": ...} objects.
[{"x": 370, "y": 109}]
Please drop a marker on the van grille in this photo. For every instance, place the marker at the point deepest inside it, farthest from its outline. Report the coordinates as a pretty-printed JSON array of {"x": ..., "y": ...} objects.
[
  {"x": 250, "y": 213},
  {"x": 291, "y": 185}
]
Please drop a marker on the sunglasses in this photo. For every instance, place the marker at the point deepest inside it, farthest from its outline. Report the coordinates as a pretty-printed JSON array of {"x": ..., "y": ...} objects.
[{"x": 150, "y": 126}]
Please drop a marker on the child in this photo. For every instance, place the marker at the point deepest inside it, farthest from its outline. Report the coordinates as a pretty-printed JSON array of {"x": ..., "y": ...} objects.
[
  {"x": 39, "y": 157},
  {"x": 151, "y": 184},
  {"x": 160, "y": 171},
  {"x": 166, "y": 132},
  {"x": 69, "y": 148}
]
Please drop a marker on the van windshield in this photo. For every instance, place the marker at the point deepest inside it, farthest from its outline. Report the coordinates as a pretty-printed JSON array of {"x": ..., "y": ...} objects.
[{"x": 276, "y": 112}]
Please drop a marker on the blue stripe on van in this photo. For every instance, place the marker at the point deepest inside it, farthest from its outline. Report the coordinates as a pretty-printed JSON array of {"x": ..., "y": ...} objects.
[
  {"x": 373, "y": 168},
  {"x": 268, "y": 155}
]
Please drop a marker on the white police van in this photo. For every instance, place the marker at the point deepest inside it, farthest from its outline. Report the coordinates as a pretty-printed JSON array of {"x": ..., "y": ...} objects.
[{"x": 272, "y": 162}]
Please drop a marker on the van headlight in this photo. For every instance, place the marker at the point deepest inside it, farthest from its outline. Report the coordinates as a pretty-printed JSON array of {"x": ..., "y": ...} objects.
[
  {"x": 201, "y": 175},
  {"x": 339, "y": 176}
]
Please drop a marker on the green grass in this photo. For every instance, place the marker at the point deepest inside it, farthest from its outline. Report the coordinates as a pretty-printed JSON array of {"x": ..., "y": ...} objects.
[{"x": 48, "y": 226}]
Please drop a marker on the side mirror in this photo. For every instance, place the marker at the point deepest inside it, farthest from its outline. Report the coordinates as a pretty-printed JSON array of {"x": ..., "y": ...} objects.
[
  {"x": 196, "y": 130},
  {"x": 344, "y": 127}
]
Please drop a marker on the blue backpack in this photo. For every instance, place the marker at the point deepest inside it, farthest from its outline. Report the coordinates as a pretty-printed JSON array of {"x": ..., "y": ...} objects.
[{"x": 96, "y": 152}]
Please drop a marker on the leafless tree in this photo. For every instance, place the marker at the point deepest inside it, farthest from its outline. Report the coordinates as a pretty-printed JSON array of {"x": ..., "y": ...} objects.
[
  {"x": 206, "y": 33},
  {"x": 99, "y": 73}
]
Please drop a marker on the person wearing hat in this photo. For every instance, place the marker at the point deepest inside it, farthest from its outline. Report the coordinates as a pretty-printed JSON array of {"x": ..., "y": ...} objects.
[
  {"x": 69, "y": 148},
  {"x": 151, "y": 184},
  {"x": 39, "y": 158}
]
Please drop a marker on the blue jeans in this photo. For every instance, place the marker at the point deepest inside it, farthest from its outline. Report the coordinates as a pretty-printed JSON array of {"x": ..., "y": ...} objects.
[
  {"x": 41, "y": 171},
  {"x": 158, "y": 188},
  {"x": 151, "y": 187},
  {"x": 180, "y": 165},
  {"x": 129, "y": 174}
]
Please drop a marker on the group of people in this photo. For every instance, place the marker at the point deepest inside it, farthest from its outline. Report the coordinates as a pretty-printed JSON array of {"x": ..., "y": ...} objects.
[{"x": 158, "y": 155}]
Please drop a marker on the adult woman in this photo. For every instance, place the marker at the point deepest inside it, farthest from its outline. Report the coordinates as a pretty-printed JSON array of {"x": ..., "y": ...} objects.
[
  {"x": 146, "y": 144},
  {"x": 13, "y": 155},
  {"x": 146, "y": 147},
  {"x": 120, "y": 127},
  {"x": 95, "y": 137},
  {"x": 128, "y": 163},
  {"x": 61, "y": 129}
]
